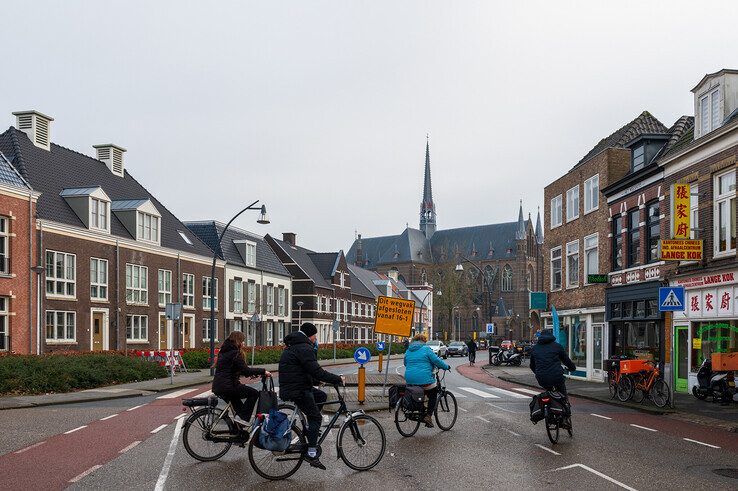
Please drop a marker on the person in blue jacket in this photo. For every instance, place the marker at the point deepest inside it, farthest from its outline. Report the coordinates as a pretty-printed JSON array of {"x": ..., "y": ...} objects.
[{"x": 419, "y": 363}]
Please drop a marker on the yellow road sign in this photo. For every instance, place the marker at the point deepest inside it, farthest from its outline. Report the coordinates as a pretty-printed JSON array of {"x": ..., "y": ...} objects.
[{"x": 394, "y": 316}]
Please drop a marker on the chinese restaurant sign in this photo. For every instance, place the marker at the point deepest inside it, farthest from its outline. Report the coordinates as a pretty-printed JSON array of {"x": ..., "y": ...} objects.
[
  {"x": 680, "y": 215},
  {"x": 680, "y": 250}
]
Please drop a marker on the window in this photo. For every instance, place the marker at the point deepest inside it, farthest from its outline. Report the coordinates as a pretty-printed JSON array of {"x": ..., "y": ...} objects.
[
  {"x": 4, "y": 330},
  {"x": 653, "y": 231},
  {"x": 572, "y": 203},
  {"x": 251, "y": 254},
  {"x": 4, "y": 246},
  {"x": 237, "y": 296},
  {"x": 556, "y": 268},
  {"x": 184, "y": 237},
  {"x": 252, "y": 297},
  {"x": 165, "y": 287},
  {"x": 341, "y": 280},
  {"x": 137, "y": 328},
  {"x": 572, "y": 264},
  {"x": 506, "y": 281},
  {"x": 98, "y": 214},
  {"x": 592, "y": 193},
  {"x": 694, "y": 209},
  {"x": 98, "y": 279},
  {"x": 591, "y": 256},
  {"x": 188, "y": 290},
  {"x": 207, "y": 291},
  {"x": 137, "y": 284},
  {"x": 60, "y": 274},
  {"x": 710, "y": 111},
  {"x": 281, "y": 331},
  {"x": 282, "y": 295},
  {"x": 270, "y": 300},
  {"x": 617, "y": 243},
  {"x": 724, "y": 214},
  {"x": 270, "y": 333},
  {"x": 556, "y": 211},
  {"x": 634, "y": 238},
  {"x": 148, "y": 227},
  {"x": 639, "y": 157},
  {"x": 206, "y": 327},
  {"x": 61, "y": 326}
]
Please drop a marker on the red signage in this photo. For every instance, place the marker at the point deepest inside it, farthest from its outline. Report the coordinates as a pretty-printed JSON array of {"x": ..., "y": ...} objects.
[{"x": 708, "y": 279}]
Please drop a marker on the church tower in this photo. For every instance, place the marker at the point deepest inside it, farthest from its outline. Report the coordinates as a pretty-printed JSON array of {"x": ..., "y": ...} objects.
[{"x": 427, "y": 207}]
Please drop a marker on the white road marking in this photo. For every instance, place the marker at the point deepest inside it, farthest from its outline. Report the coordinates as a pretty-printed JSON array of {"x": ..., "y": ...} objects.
[
  {"x": 597, "y": 473},
  {"x": 689, "y": 440},
  {"x": 509, "y": 393},
  {"x": 175, "y": 394},
  {"x": 76, "y": 429},
  {"x": 205, "y": 394},
  {"x": 397, "y": 370},
  {"x": 513, "y": 433},
  {"x": 130, "y": 446},
  {"x": 170, "y": 456},
  {"x": 599, "y": 416},
  {"x": 30, "y": 447},
  {"x": 527, "y": 391},
  {"x": 462, "y": 409},
  {"x": 485, "y": 420},
  {"x": 159, "y": 428},
  {"x": 180, "y": 416},
  {"x": 135, "y": 407},
  {"x": 459, "y": 395},
  {"x": 500, "y": 407},
  {"x": 642, "y": 427},
  {"x": 85, "y": 473},
  {"x": 479, "y": 393},
  {"x": 109, "y": 417},
  {"x": 547, "y": 449}
]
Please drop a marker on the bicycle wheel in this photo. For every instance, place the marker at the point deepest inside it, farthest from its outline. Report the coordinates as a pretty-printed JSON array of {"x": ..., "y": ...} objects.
[
  {"x": 197, "y": 431},
  {"x": 660, "y": 393},
  {"x": 569, "y": 427},
  {"x": 406, "y": 426},
  {"x": 625, "y": 388},
  {"x": 638, "y": 392},
  {"x": 613, "y": 387},
  {"x": 362, "y": 447},
  {"x": 446, "y": 411},
  {"x": 552, "y": 429},
  {"x": 276, "y": 466}
]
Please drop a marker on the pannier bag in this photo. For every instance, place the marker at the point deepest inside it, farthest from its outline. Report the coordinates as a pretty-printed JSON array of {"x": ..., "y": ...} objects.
[
  {"x": 536, "y": 409},
  {"x": 413, "y": 399},
  {"x": 395, "y": 395},
  {"x": 275, "y": 434},
  {"x": 557, "y": 405}
]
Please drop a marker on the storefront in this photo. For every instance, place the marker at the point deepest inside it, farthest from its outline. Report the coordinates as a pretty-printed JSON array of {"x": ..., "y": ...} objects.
[
  {"x": 708, "y": 325},
  {"x": 636, "y": 325},
  {"x": 582, "y": 333}
]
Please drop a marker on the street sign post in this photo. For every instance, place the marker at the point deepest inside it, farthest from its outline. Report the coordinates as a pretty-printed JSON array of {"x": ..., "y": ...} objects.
[
  {"x": 490, "y": 328},
  {"x": 336, "y": 326},
  {"x": 538, "y": 301},
  {"x": 380, "y": 346},
  {"x": 671, "y": 299},
  {"x": 362, "y": 355}
]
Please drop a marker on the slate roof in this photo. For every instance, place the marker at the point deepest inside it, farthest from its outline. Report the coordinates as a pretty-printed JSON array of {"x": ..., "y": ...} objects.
[
  {"x": 301, "y": 257},
  {"x": 266, "y": 259},
  {"x": 326, "y": 262},
  {"x": 10, "y": 176},
  {"x": 410, "y": 245},
  {"x": 49, "y": 172},
  {"x": 362, "y": 281},
  {"x": 645, "y": 123}
]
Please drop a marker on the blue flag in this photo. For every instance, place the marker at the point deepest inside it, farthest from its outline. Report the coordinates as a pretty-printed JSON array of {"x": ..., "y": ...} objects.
[{"x": 555, "y": 318}]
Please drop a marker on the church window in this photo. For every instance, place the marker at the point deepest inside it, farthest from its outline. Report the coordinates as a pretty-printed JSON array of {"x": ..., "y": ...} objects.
[{"x": 507, "y": 283}]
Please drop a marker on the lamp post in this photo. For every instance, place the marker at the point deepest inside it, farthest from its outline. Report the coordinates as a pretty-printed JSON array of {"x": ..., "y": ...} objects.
[
  {"x": 263, "y": 220},
  {"x": 485, "y": 280},
  {"x": 299, "y": 313}
]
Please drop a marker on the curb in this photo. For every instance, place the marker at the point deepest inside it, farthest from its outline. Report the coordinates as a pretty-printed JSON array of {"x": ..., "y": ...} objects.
[{"x": 110, "y": 397}]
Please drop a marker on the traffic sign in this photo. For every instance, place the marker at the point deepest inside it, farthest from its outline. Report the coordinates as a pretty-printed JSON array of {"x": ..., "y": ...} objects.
[
  {"x": 671, "y": 299},
  {"x": 336, "y": 326},
  {"x": 173, "y": 311},
  {"x": 380, "y": 346},
  {"x": 491, "y": 328},
  {"x": 394, "y": 316},
  {"x": 362, "y": 355}
]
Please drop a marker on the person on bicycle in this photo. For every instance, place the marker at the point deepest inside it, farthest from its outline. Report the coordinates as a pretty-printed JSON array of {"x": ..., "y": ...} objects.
[
  {"x": 299, "y": 372},
  {"x": 546, "y": 359},
  {"x": 419, "y": 363},
  {"x": 472, "y": 352},
  {"x": 230, "y": 366}
]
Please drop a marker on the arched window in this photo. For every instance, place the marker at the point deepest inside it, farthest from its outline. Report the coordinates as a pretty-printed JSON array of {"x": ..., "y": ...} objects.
[
  {"x": 489, "y": 274},
  {"x": 507, "y": 283},
  {"x": 402, "y": 279},
  {"x": 530, "y": 278}
]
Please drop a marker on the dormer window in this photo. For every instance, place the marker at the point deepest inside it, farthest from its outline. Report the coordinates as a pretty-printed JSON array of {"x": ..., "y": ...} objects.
[
  {"x": 91, "y": 205},
  {"x": 639, "y": 157},
  {"x": 140, "y": 217},
  {"x": 99, "y": 214},
  {"x": 710, "y": 111},
  {"x": 147, "y": 226}
]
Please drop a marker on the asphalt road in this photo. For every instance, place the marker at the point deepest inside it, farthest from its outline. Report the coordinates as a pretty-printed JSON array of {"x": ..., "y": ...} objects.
[{"x": 83, "y": 446}]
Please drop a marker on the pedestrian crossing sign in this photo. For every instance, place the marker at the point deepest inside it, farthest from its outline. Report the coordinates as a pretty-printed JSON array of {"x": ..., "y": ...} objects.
[{"x": 671, "y": 299}]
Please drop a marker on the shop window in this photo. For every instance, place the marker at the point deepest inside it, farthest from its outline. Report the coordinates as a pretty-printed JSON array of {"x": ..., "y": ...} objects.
[
  {"x": 640, "y": 309},
  {"x": 579, "y": 342},
  {"x": 634, "y": 238},
  {"x": 616, "y": 311},
  {"x": 627, "y": 309},
  {"x": 640, "y": 340},
  {"x": 652, "y": 308},
  {"x": 617, "y": 243},
  {"x": 717, "y": 337}
]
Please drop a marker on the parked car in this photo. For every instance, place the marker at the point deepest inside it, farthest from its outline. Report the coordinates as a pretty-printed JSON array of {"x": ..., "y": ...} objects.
[
  {"x": 438, "y": 348},
  {"x": 507, "y": 344},
  {"x": 458, "y": 348}
]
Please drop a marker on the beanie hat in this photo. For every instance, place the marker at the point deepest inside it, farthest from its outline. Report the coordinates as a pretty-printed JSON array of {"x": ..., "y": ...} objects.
[{"x": 308, "y": 329}]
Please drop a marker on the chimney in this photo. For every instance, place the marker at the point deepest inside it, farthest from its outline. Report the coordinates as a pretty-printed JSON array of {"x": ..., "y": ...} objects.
[
  {"x": 112, "y": 156},
  {"x": 360, "y": 253},
  {"x": 290, "y": 238},
  {"x": 36, "y": 125}
]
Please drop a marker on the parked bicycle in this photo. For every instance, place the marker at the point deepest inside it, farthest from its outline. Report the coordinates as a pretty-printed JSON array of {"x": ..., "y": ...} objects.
[
  {"x": 407, "y": 420},
  {"x": 646, "y": 382}
]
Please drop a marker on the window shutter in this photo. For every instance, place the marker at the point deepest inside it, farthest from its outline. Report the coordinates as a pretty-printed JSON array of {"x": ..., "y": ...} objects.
[
  {"x": 287, "y": 302},
  {"x": 232, "y": 292},
  {"x": 258, "y": 298}
]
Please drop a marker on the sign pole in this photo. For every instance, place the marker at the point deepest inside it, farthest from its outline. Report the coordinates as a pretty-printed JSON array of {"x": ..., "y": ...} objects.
[{"x": 386, "y": 373}]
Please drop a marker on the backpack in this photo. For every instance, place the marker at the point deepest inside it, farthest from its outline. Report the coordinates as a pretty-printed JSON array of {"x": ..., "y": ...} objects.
[
  {"x": 413, "y": 399},
  {"x": 275, "y": 433},
  {"x": 396, "y": 392}
]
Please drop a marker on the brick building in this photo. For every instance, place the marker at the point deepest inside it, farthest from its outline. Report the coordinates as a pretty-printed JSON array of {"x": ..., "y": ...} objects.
[{"x": 113, "y": 256}]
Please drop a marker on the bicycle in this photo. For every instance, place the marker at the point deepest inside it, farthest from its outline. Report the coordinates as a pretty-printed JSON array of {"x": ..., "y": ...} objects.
[
  {"x": 365, "y": 433},
  {"x": 645, "y": 384},
  {"x": 555, "y": 415},
  {"x": 445, "y": 411}
]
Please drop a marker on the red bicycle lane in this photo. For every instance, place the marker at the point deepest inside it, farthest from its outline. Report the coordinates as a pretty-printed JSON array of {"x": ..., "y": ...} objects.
[{"x": 54, "y": 462}]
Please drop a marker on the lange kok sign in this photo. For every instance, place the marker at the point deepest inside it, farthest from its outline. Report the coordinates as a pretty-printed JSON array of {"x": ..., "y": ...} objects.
[
  {"x": 681, "y": 250},
  {"x": 394, "y": 316}
]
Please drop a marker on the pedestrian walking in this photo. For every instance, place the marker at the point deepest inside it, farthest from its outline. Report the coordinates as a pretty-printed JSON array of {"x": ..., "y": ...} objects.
[{"x": 472, "y": 352}]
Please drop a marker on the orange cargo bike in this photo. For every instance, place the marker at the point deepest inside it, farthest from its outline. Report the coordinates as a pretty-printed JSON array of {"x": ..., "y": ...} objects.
[{"x": 640, "y": 379}]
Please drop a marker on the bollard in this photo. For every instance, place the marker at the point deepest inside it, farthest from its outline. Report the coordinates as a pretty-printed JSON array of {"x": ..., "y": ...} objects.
[
  {"x": 362, "y": 384},
  {"x": 379, "y": 368}
]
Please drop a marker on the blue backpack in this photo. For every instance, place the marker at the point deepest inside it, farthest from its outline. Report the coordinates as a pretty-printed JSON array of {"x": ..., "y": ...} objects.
[{"x": 275, "y": 433}]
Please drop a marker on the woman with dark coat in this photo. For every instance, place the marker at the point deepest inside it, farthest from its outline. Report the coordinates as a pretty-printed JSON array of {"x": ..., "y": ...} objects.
[{"x": 230, "y": 367}]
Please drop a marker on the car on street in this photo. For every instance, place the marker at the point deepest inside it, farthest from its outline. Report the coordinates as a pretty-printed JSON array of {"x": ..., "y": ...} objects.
[
  {"x": 438, "y": 348},
  {"x": 507, "y": 344},
  {"x": 458, "y": 348}
]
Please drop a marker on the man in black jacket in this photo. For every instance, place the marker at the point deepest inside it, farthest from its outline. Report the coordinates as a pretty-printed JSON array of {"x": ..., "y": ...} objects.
[
  {"x": 299, "y": 371},
  {"x": 546, "y": 358}
]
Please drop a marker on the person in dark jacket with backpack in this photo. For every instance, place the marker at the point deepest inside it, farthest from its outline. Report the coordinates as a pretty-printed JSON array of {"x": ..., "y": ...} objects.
[
  {"x": 299, "y": 371},
  {"x": 230, "y": 366},
  {"x": 546, "y": 359},
  {"x": 472, "y": 345}
]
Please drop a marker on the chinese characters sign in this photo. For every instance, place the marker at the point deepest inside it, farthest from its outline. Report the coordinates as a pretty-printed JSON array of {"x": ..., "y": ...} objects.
[
  {"x": 680, "y": 215},
  {"x": 713, "y": 302}
]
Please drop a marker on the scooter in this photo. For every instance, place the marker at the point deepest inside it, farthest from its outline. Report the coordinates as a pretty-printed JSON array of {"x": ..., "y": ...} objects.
[
  {"x": 719, "y": 385},
  {"x": 508, "y": 356}
]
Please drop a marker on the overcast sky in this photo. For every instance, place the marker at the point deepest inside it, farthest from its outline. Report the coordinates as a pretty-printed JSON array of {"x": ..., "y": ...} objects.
[{"x": 320, "y": 109}]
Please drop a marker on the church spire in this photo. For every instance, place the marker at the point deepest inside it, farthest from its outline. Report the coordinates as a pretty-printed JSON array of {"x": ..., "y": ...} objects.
[
  {"x": 427, "y": 207},
  {"x": 520, "y": 234},
  {"x": 539, "y": 229}
]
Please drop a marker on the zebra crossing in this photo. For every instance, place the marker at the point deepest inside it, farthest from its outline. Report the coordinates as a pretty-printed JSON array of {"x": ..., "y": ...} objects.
[{"x": 495, "y": 393}]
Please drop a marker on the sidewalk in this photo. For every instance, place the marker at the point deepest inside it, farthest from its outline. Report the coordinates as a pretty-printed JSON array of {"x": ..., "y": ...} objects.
[{"x": 686, "y": 407}]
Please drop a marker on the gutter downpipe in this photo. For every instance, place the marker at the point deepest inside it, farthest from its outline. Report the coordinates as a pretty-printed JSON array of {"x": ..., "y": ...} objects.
[
  {"x": 117, "y": 297},
  {"x": 30, "y": 272}
]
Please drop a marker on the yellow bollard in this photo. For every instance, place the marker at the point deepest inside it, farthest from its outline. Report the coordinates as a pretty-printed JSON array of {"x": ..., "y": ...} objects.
[
  {"x": 362, "y": 384},
  {"x": 379, "y": 369}
]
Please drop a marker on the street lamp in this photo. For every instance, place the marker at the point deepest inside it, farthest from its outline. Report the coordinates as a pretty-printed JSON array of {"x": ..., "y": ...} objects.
[
  {"x": 299, "y": 313},
  {"x": 263, "y": 220}
]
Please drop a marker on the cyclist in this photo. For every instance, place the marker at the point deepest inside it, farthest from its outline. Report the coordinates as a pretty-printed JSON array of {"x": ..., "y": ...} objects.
[
  {"x": 546, "y": 358},
  {"x": 419, "y": 363},
  {"x": 299, "y": 371},
  {"x": 472, "y": 345},
  {"x": 230, "y": 366}
]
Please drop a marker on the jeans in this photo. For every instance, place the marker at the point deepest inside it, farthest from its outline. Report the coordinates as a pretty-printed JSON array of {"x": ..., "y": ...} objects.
[
  {"x": 307, "y": 402},
  {"x": 432, "y": 395},
  {"x": 472, "y": 356},
  {"x": 554, "y": 384},
  {"x": 235, "y": 398}
]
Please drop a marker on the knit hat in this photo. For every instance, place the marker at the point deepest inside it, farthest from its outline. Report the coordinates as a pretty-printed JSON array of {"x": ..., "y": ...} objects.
[{"x": 308, "y": 329}]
